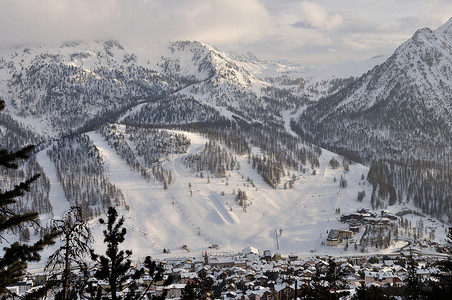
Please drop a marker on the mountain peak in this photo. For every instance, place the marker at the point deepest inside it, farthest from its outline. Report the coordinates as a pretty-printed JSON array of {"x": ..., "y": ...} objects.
[{"x": 422, "y": 32}]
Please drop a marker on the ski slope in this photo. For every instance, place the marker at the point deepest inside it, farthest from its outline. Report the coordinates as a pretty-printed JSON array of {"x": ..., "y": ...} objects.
[
  {"x": 285, "y": 221},
  {"x": 152, "y": 220},
  {"x": 280, "y": 220}
]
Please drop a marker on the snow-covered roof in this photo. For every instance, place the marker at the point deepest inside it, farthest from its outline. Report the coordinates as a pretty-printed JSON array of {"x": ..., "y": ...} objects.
[{"x": 249, "y": 250}]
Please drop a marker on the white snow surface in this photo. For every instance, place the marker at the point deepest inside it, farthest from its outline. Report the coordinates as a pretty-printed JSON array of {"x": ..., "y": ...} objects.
[
  {"x": 56, "y": 196},
  {"x": 284, "y": 221}
]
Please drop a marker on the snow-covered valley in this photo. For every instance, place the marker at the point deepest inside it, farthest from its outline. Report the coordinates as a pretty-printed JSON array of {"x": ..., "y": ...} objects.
[
  {"x": 199, "y": 213},
  {"x": 277, "y": 189}
]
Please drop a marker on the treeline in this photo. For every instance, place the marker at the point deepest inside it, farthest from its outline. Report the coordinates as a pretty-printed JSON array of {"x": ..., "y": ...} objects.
[
  {"x": 286, "y": 149},
  {"x": 270, "y": 170},
  {"x": 174, "y": 109},
  {"x": 212, "y": 158},
  {"x": 80, "y": 171},
  {"x": 144, "y": 149},
  {"x": 281, "y": 150},
  {"x": 299, "y": 91},
  {"x": 152, "y": 145}
]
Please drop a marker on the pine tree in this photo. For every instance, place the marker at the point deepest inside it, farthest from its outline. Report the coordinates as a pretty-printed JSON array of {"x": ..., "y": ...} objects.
[
  {"x": 115, "y": 266},
  {"x": 316, "y": 289},
  {"x": 16, "y": 257},
  {"x": 201, "y": 288},
  {"x": 329, "y": 285},
  {"x": 373, "y": 292},
  {"x": 337, "y": 279},
  {"x": 189, "y": 293},
  {"x": 333, "y": 163},
  {"x": 413, "y": 288},
  {"x": 205, "y": 285}
]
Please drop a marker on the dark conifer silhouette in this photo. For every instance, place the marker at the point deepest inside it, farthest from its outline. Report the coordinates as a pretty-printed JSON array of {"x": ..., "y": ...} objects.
[
  {"x": 16, "y": 256},
  {"x": 115, "y": 266},
  {"x": 327, "y": 284},
  {"x": 201, "y": 288},
  {"x": 413, "y": 288}
]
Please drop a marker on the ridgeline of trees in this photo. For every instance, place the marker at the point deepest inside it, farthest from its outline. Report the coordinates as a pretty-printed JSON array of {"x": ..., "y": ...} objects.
[{"x": 174, "y": 109}]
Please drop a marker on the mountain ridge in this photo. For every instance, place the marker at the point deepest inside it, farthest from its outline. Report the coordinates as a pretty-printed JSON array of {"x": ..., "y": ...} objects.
[
  {"x": 92, "y": 80},
  {"x": 401, "y": 77}
]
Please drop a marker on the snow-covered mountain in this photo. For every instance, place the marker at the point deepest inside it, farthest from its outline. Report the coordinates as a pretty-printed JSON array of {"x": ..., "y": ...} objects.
[
  {"x": 399, "y": 112},
  {"x": 60, "y": 89},
  {"x": 402, "y": 107},
  {"x": 64, "y": 88},
  {"x": 78, "y": 85},
  {"x": 229, "y": 172}
]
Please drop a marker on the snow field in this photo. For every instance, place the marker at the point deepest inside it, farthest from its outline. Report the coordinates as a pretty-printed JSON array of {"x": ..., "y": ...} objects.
[
  {"x": 285, "y": 221},
  {"x": 159, "y": 219}
]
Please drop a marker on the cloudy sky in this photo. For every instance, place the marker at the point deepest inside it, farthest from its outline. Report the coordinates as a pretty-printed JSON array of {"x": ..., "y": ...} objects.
[{"x": 307, "y": 32}]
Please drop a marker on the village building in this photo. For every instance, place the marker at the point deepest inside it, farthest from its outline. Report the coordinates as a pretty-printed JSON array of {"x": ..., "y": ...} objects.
[
  {"x": 335, "y": 236},
  {"x": 380, "y": 278}
]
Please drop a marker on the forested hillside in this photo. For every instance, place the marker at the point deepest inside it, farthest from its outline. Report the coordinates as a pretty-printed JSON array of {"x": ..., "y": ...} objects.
[
  {"x": 145, "y": 149},
  {"x": 81, "y": 172}
]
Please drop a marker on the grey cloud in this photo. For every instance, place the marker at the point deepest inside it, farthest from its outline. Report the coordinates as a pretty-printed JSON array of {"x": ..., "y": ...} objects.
[
  {"x": 271, "y": 29},
  {"x": 302, "y": 24},
  {"x": 213, "y": 20}
]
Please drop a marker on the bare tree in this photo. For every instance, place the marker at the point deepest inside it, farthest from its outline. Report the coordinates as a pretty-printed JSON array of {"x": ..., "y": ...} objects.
[{"x": 67, "y": 265}]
